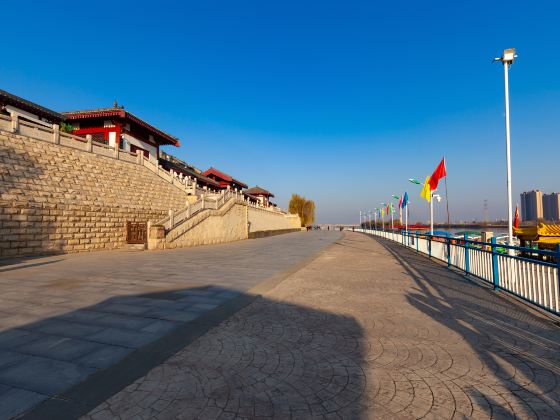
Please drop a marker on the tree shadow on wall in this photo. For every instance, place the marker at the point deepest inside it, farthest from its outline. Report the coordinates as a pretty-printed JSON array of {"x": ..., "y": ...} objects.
[
  {"x": 519, "y": 352},
  {"x": 268, "y": 359},
  {"x": 28, "y": 215}
]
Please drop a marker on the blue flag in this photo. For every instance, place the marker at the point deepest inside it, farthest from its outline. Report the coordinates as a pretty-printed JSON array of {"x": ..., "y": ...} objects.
[{"x": 405, "y": 200}]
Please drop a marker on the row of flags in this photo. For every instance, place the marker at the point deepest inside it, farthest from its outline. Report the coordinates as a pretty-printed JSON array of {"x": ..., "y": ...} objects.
[
  {"x": 430, "y": 184},
  {"x": 390, "y": 208}
]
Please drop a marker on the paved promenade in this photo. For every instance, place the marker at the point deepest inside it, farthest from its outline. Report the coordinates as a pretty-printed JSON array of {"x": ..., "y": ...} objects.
[
  {"x": 366, "y": 330},
  {"x": 82, "y": 325}
]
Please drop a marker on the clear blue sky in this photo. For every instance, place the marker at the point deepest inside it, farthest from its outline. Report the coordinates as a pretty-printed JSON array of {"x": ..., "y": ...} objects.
[{"x": 339, "y": 101}]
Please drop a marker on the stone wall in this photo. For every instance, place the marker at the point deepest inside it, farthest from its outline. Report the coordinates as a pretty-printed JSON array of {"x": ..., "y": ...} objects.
[
  {"x": 60, "y": 199},
  {"x": 265, "y": 220},
  {"x": 227, "y": 224}
]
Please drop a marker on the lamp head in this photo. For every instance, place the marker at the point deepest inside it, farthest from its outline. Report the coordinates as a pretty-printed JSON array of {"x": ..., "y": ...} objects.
[{"x": 508, "y": 56}]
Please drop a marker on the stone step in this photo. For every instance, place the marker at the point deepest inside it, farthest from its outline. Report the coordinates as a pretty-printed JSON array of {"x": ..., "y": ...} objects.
[{"x": 134, "y": 247}]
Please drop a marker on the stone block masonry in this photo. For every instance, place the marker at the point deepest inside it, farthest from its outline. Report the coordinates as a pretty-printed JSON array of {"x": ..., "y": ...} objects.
[
  {"x": 226, "y": 224},
  {"x": 264, "y": 220},
  {"x": 60, "y": 199}
]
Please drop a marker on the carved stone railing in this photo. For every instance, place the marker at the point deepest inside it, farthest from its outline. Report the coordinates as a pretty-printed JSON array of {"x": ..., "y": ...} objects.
[
  {"x": 205, "y": 202},
  {"x": 14, "y": 125}
]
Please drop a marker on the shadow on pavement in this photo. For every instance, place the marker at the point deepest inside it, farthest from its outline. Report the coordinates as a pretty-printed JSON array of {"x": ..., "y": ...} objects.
[
  {"x": 271, "y": 359},
  {"x": 519, "y": 351}
]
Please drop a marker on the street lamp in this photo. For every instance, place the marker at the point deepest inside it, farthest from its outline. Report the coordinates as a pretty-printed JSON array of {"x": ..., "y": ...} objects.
[{"x": 507, "y": 59}]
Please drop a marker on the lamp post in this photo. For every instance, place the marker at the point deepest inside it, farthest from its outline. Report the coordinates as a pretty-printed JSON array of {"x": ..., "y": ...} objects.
[
  {"x": 432, "y": 213},
  {"x": 360, "y": 219},
  {"x": 507, "y": 59},
  {"x": 438, "y": 198}
]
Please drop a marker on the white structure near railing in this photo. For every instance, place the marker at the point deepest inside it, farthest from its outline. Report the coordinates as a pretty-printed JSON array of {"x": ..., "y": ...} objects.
[
  {"x": 529, "y": 279},
  {"x": 52, "y": 134}
]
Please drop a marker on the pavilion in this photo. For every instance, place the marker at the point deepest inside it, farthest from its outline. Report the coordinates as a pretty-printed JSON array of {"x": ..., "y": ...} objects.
[
  {"x": 171, "y": 163},
  {"x": 22, "y": 108},
  {"x": 259, "y": 195},
  {"x": 224, "y": 180},
  {"x": 112, "y": 125}
]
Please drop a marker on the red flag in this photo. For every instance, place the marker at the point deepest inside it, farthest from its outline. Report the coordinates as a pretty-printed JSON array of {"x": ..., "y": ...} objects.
[
  {"x": 437, "y": 175},
  {"x": 387, "y": 210},
  {"x": 516, "y": 219},
  {"x": 400, "y": 203}
]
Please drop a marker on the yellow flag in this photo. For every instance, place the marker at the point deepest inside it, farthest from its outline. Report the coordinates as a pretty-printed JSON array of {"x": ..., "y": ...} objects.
[
  {"x": 426, "y": 193},
  {"x": 382, "y": 213}
]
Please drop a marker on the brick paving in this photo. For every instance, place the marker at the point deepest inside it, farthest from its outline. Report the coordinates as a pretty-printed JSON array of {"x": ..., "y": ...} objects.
[
  {"x": 366, "y": 330},
  {"x": 65, "y": 318}
]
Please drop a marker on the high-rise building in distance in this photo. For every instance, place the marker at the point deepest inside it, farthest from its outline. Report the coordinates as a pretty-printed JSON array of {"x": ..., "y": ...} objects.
[
  {"x": 551, "y": 207},
  {"x": 531, "y": 205}
]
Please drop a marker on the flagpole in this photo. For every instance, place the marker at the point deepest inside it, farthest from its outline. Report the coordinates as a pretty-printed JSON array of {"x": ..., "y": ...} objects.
[
  {"x": 392, "y": 225},
  {"x": 406, "y": 222},
  {"x": 446, "y": 197}
]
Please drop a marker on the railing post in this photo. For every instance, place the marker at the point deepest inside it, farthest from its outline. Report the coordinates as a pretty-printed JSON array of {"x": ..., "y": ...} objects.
[
  {"x": 430, "y": 247},
  {"x": 495, "y": 271},
  {"x": 558, "y": 267},
  {"x": 15, "y": 122},
  {"x": 467, "y": 268},
  {"x": 416, "y": 238},
  {"x": 171, "y": 218},
  {"x": 56, "y": 133},
  {"x": 448, "y": 243},
  {"x": 89, "y": 144}
]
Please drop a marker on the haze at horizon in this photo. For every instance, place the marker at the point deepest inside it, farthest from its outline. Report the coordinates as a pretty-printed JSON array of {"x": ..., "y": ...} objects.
[{"x": 339, "y": 102}]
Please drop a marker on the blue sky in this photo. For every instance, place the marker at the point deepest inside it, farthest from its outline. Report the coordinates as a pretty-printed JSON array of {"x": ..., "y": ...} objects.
[{"x": 339, "y": 101}]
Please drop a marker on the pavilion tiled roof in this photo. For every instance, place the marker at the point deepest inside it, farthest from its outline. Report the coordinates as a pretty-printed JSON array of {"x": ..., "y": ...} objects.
[
  {"x": 121, "y": 113},
  {"x": 179, "y": 166},
  {"x": 224, "y": 176},
  {"x": 258, "y": 191},
  {"x": 7, "y": 98}
]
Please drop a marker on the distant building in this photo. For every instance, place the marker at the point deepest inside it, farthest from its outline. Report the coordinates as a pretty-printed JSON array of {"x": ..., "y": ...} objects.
[
  {"x": 531, "y": 205},
  {"x": 22, "y": 108},
  {"x": 224, "y": 180},
  {"x": 551, "y": 207},
  {"x": 259, "y": 195},
  {"x": 117, "y": 126},
  {"x": 171, "y": 163}
]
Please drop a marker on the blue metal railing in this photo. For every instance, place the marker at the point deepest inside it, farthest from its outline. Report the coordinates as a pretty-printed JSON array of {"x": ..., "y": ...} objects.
[{"x": 530, "y": 274}]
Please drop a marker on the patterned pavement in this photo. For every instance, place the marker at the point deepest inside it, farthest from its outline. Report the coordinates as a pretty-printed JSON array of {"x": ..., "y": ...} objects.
[
  {"x": 366, "y": 330},
  {"x": 67, "y": 318}
]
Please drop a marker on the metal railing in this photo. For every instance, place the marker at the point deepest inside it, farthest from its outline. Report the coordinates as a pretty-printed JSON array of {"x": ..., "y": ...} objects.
[{"x": 530, "y": 274}]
